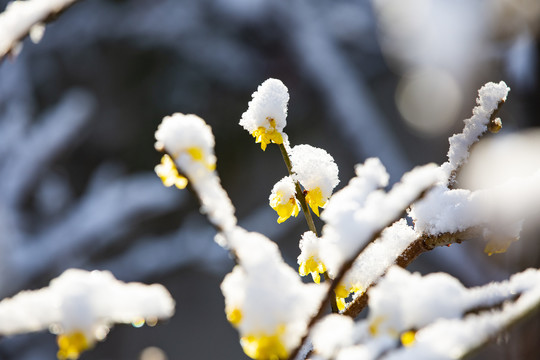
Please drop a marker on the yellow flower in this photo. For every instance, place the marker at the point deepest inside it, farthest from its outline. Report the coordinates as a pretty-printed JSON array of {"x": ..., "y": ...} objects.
[
  {"x": 284, "y": 209},
  {"x": 315, "y": 200},
  {"x": 71, "y": 345},
  {"x": 408, "y": 338},
  {"x": 234, "y": 316},
  {"x": 265, "y": 347},
  {"x": 197, "y": 154},
  {"x": 169, "y": 174},
  {"x": 498, "y": 245},
  {"x": 343, "y": 292},
  {"x": 265, "y": 135},
  {"x": 313, "y": 267}
]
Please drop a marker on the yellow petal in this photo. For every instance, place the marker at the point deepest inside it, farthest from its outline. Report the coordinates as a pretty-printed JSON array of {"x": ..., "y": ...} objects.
[
  {"x": 340, "y": 302},
  {"x": 197, "y": 154},
  {"x": 286, "y": 210},
  {"x": 168, "y": 173},
  {"x": 408, "y": 338},
  {"x": 234, "y": 317},
  {"x": 313, "y": 267},
  {"x": 265, "y": 347},
  {"x": 315, "y": 199},
  {"x": 71, "y": 345},
  {"x": 265, "y": 136},
  {"x": 498, "y": 245}
]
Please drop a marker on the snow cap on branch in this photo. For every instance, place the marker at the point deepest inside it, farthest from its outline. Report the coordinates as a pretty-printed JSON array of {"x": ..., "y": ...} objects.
[
  {"x": 81, "y": 306},
  {"x": 190, "y": 143},
  {"x": 403, "y": 301},
  {"x": 365, "y": 211},
  {"x": 375, "y": 260},
  {"x": 266, "y": 115},
  {"x": 427, "y": 317},
  {"x": 264, "y": 298},
  {"x": 317, "y": 172},
  {"x": 489, "y": 98},
  {"x": 26, "y": 17}
]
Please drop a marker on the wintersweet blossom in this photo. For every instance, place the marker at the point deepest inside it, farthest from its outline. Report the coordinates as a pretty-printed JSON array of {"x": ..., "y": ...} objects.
[
  {"x": 190, "y": 143},
  {"x": 168, "y": 173},
  {"x": 283, "y": 199},
  {"x": 265, "y": 299},
  {"x": 317, "y": 172},
  {"x": 81, "y": 306},
  {"x": 308, "y": 260},
  {"x": 266, "y": 115}
]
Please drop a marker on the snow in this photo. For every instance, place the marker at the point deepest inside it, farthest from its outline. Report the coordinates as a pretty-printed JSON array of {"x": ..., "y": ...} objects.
[
  {"x": 266, "y": 292},
  {"x": 410, "y": 301},
  {"x": 314, "y": 168},
  {"x": 190, "y": 142},
  {"x": 454, "y": 338},
  {"x": 369, "y": 176},
  {"x": 178, "y": 134},
  {"x": 79, "y": 300},
  {"x": 489, "y": 97},
  {"x": 332, "y": 333},
  {"x": 348, "y": 230},
  {"x": 373, "y": 262},
  {"x": 437, "y": 306},
  {"x": 23, "y": 17},
  {"x": 444, "y": 211},
  {"x": 501, "y": 207},
  {"x": 269, "y": 102}
]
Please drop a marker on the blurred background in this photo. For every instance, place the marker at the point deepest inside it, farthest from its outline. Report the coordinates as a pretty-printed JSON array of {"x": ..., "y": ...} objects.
[{"x": 78, "y": 112}]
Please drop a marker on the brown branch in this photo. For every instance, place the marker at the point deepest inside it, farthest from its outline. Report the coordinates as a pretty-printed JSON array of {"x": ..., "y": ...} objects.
[
  {"x": 345, "y": 267},
  {"x": 299, "y": 193},
  {"x": 416, "y": 248}
]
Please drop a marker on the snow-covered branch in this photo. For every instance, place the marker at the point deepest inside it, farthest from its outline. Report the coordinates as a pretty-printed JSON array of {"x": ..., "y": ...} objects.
[{"x": 22, "y": 18}]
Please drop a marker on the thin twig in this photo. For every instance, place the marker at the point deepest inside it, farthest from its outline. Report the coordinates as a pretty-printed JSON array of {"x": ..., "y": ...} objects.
[
  {"x": 333, "y": 300},
  {"x": 307, "y": 214},
  {"x": 493, "y": 126},
  {"x": 299, "y": 193},
  {"x": 421, "y": 245}
]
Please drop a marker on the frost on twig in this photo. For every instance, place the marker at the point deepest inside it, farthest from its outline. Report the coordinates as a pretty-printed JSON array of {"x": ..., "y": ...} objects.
[
  {"x": 22, "y": 18},
  {"x": 490, "y": 98}
]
